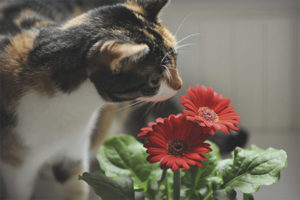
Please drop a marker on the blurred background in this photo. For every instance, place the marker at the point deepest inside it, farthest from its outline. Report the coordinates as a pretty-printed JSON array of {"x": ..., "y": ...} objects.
[{"x": 248, "y": 50}]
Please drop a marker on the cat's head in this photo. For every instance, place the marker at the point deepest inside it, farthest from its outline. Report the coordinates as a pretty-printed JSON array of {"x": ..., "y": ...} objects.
[{"x": 137, "y": 58}]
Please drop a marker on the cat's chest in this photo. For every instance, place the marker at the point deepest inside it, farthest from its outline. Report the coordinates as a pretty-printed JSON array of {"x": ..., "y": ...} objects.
[{"x": 61, "y": 117}]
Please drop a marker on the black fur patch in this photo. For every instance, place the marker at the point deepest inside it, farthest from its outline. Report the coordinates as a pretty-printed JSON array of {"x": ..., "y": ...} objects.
[
  {"x": 7, "y": 119},
  {"x": 64, "y": 170},
  {"x": 7, "y": 27},
  {"x": 28, "y": 23},
  {"x": 3, "y": 43}
]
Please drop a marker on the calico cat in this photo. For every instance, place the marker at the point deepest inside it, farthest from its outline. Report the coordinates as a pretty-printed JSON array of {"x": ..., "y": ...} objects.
[{"x": 57, "y": 71}]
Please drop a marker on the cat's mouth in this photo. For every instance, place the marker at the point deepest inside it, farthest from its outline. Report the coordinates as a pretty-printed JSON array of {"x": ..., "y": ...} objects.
[
  {"x": 163, "y": 94},
  {"x": 133, "y": 95}
]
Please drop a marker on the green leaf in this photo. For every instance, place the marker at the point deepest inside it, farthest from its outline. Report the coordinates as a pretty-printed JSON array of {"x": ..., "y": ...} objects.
[
  {"x": 224, "y": 195},
  {"x": 248, "y": 196},
  {"x": 249, "y": 169},
  {"x": 125, "y": 156},
  {"x": 202, "y": 178},
  {"x": 108, "y": 188}
]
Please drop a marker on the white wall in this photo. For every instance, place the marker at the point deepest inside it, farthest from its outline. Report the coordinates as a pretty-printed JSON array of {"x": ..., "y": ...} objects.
[{"x": 247, "y": 51}]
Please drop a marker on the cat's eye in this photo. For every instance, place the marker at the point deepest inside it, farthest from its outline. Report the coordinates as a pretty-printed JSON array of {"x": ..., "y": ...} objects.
[{"x": 154, "y": 80}]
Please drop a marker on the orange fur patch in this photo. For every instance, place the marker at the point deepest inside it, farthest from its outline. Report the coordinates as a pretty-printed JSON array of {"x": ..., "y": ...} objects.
[
  {"x": 43, "y": 23},
  {"x": 103, "y": 125},
  {"x": 133, "y": 5},
  {"x": 15, "y": 58},
  {"x": 169, "y": 39},
  {"x": 16, "y": 53},
  {"x": 149, "y": 34},
  {"x": 74, "y": 22},
  {"x": 11, "y": 148},
  {"x": 42, "y": 82},
  {"x": 77, "y": 11}
]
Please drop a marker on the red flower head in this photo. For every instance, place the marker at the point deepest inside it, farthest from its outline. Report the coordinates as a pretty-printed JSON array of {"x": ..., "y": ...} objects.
[
  {"x": 209, "y": 109},
  {"x": 146, "y": 130},
  {"x": 177, "y": 143}
]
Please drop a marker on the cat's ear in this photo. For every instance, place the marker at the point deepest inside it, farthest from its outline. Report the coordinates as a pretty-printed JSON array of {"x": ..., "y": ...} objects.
[
  {"x": 151, "y": 7},
  {"x": 111, "y": 53}
]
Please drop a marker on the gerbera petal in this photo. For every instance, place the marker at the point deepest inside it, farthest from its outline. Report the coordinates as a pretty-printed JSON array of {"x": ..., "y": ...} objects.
[
  {"x": 193, "y": 156},
  {"x": 221, "y": 105},
  {"x": 164, "y": 160},
  {"x": 155, "y": 141},
  {"x": 189, "y": 161},
  {"x": 209, "y": 96},
  {"x": 226, "y": 110},
  {"x": 153, "y": 150},
  {"x": 228, "y": 115},
  {"x": 199, "y": 164},
  {"x": 171, "y": 162},
  {"x": 201, "y": 91},
  {"x": 156, "y": 158},
  {"x": 175, "y": 167},
  {"x": 201, "y": 150},
  {"x": 182, "y": 163},
  {"x": 217, "y": 98}
]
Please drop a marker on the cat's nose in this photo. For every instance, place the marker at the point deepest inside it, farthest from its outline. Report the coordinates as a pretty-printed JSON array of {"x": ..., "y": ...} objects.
[
  {"x": 176, "y": 81},
  {"x": 177, "y": 86}
]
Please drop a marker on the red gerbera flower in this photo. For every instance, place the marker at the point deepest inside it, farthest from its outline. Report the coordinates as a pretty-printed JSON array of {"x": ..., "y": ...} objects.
[
  {"x": 146, "y": 130},
  {"x": 177, "y": 143},
  {"x": 210, "y": 109}
]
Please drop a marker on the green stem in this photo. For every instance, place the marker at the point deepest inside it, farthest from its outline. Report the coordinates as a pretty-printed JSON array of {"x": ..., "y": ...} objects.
[
  {"x": 163, "y": 176},
  {"x": 168, "y": 189},
  {"x": 196, "y": 183},
  {"x": 176, "y": 186},
  {"x": 208, "y": 195}
]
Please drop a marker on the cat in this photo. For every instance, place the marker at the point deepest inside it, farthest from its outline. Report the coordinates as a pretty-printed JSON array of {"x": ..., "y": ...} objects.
[{"x": 59, "y": 67}]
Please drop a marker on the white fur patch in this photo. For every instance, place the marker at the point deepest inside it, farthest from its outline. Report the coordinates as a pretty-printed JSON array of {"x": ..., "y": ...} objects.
[
  {"x": 48, "y": 124},
  {"x": 164, "y": 93}
]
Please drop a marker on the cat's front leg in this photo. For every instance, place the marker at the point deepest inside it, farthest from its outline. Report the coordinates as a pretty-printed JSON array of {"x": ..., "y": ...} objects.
[{"x": 72, "y": 163}]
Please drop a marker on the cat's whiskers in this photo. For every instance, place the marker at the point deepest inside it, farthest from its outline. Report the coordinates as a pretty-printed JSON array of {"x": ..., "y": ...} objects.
[
  {"x": 148, "y": 109},
  {"x": 138, "y": 102},
  {"x": 166, "y": 55},
  {"x": 187, "y": 37},
  {"x": 168, "y": 73},
  {"x": 181, "y": 23},
  {"x": 184, "y": 45}
]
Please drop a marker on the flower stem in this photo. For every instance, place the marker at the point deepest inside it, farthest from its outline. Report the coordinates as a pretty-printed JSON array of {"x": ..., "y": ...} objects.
[
  {"x": 176, "y": 186},
  {"x": 163, "y": 176}
]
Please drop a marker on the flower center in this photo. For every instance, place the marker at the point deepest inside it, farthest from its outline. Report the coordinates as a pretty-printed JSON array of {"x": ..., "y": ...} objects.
[
  {"x": 208, "y": 114},
  {"x": 177, "y": 147}
]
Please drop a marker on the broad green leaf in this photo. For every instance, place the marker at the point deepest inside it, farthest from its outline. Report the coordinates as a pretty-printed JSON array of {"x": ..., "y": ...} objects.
[
  {"x": 249, "y": 169},
  {"x": 108, "y": 188},
  {"x": 201, "y": 178},
  {"x": 125, "y": 156},
  {"x": 224, "y": 195},
  {"x": 248, "y": 196}
]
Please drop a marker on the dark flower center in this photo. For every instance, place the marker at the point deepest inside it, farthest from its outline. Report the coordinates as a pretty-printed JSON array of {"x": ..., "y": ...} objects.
[
  {"x": 208, "y": 114},
  {"x": 177, "y": 147}
]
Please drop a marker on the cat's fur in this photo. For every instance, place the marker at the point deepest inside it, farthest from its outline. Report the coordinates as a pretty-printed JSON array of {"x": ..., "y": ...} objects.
[{"x": 57, "y": 71}]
